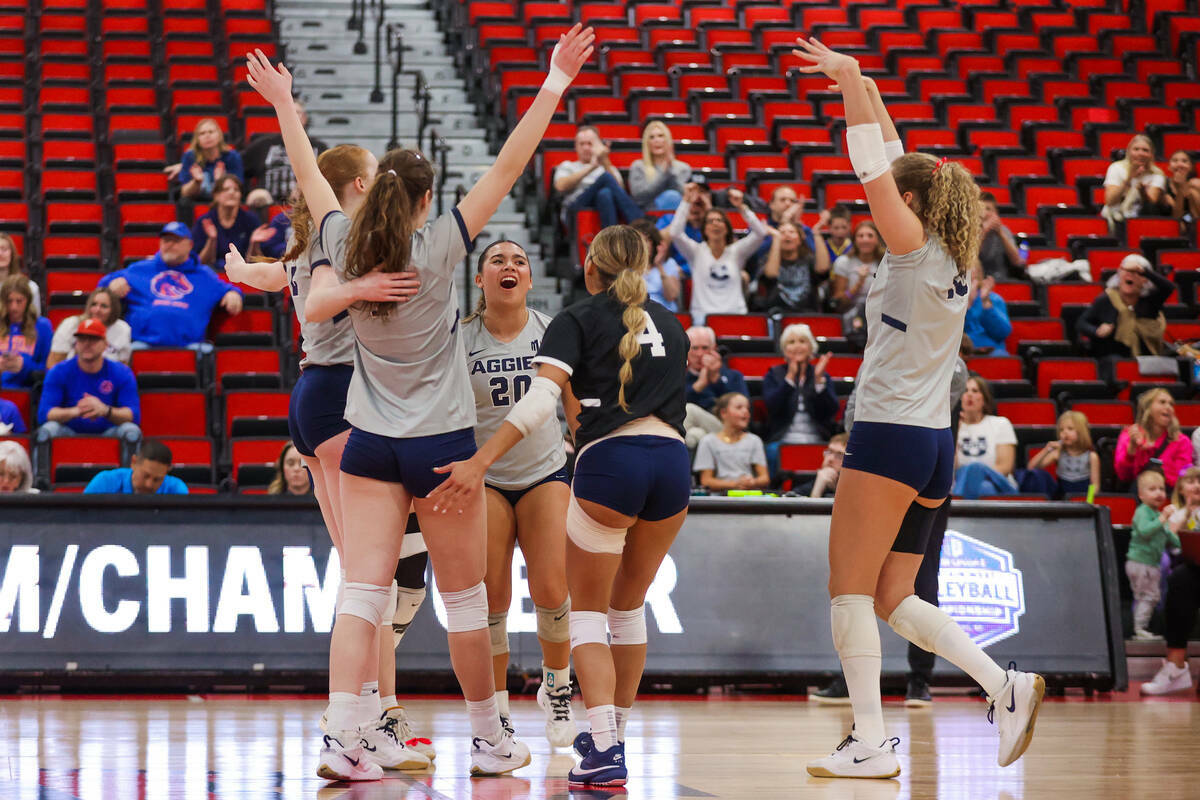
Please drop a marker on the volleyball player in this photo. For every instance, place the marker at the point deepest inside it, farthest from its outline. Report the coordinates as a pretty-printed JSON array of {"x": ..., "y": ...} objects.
[
  {"x": 526, "y": 490},
  {"x": 928, "y": 212},
  {"x": 626, "y": 359},
  {"x": 410, "y": 406}
]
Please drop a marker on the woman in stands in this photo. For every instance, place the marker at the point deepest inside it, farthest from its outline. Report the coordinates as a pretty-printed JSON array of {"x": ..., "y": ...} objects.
[
  {"x": 986, "y": 452},
  {"x": 27, "y": 335},
  {"x": 1133, "y": 186},
  {"x": 409, "y": 404},
  {"x": 1183, "y": 187},
  {"x": 526, "y": 490},
  {"x": 227, "y": 223},
  {"x": 928, "y": 212},
  {"x": 11, "y": 264},
  {"x": 656, "y": 180},
  {"x": 291, "y": 477},
  {"x": 207, "y": 161},
  {"x": 801, "y": 403},
  {"x": 624, "y": 358},
  {"x": 1154, "y": 439},
  {"x": 104, "y": 305},
  {"x": 853, "y": 272}
]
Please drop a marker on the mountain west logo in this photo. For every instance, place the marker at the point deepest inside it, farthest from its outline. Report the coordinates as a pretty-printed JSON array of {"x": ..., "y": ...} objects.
[
  {"x": 171, "y": 285},
  {"x": 979, "y": 587}
]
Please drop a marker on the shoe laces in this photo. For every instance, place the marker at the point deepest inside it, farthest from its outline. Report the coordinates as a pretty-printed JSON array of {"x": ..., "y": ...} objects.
[
  {"x": 506, "y": 724},
  {"x": 1012, "y": 667},
  {"x": 560, "y": 704},
  {"x": 849, "y": 740},
  {"x": 389, "y": 726}
]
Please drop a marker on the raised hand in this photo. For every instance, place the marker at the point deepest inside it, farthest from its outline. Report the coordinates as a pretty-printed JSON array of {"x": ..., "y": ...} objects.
[
  {"x": 273, "y": 83},
  {"x": 691, "y": 192},
  {"x": 737, "y": 198},
  {"x": 262, "y": 233},
  {"x": 838, "y": 66},
  {"x": 210, "y": 227},
  {"x": 218, "y": 171},
  {"x": 197, "y": 172},
  {"x": 572, "y": 51},
  {"x": 819, "y": 367},
  {"x": 236, "y": 268}
]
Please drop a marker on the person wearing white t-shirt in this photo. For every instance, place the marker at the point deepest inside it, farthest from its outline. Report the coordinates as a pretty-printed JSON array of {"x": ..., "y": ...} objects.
[
  {"x": 987, "y": 445},
  {"x": 1135, "y": 184},
  {"x": 105, "y": 306}
]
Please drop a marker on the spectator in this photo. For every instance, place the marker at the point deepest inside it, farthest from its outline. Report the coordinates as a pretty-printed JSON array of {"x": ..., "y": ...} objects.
[
  {"x": 793, "y": 270},
  {"x": 693, "y": 226},
  {"x": 278, "y": 232},
  {"x": 1186, "y": 499},
  {"x": 801, "y": 403},
  {"x": 12, "y": 264},
  {"x": 854, "y": 271},
  {"x": 734, "y": 457},
  {"x": 987, "y": 445},
  {"x": 170, "y": 297},
  {"x": 1124, "y": 322},
  {"x": 268, "y": 169},
  {"x": 1078, "y": 462},
  {"x": 708, "y": 378},
  {"x": 1154, "y": 440},
  {"x": 89, "y": 394},
  {"x": 27, "y": 343},
  {"x": 998, "y": 251},
  {"x": 16, "y": 473},
  {"x": 1150, "y": 536},
  {"x": 986, "y": 323},
  {"x": 1133, "y": 186},
  {"x": 825, "y": 483},
  {"x": 207, "y": 161},
  {"x": 834, "y": 225},
  {"x": 1183, "y": 187},
  {"x": 718, "y": 279},
  {"x": 291, "y": 476},
  {"x": 10, "y": 418},
  {"x": 784, "y": 206},
  {"x": 1180, "y": 608},
  {"x": 146, "y": 474},
  {"x": 592, "y": 182},
  {"x": 656, "y": 180},
  {"x": 105, "y": 306},
  {"x": 664, "y": 278},
  {"x": 228, "y": 223}
]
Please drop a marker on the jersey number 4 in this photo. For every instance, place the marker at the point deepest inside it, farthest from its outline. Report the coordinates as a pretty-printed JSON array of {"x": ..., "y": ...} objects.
[
  {"x": 653, "y": 338},
  {"x": 504, "y": 393}
]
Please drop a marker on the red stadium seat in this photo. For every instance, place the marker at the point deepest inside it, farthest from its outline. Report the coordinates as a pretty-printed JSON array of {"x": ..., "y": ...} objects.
[
  {"x": 247, "y": 413},
  {"x": 738, "y": 324},
  {"x": 1052, "y": 370},
  {"x": 1000, "y": 368},
  {"x": 1106, "y": 413},
  {"x": 801, "y": 457},
  {"x": 1028, "y": 412},
  {"x": 254, "y": 459},
  {"x": 752, "y": 366},
  {"x": 78, "y": 458},
  {"x": 174, "y": 413},
  {"x": 192, "y": 460},
  {"x": 247, "y": 368},
  {"x": 1120, "y": 507},
  {"x": 21, "y": 399}
]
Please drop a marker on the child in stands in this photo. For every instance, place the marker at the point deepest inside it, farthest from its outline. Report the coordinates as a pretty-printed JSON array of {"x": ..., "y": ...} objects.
[
  {"x": 1151, "y": 533},
  {"x": 1078, "y": 462},
  {"x": 1187, "y": 502},
  {"x": 733, "y": 458}
]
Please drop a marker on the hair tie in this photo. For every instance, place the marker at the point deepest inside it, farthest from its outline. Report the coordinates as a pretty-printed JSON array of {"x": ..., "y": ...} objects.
[
  {"x": 938, "y": 165},
  {"x": 392, "y": 172}
]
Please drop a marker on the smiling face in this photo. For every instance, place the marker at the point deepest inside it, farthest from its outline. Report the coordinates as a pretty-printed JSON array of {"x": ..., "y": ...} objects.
[
  {"x": 716, "y": 227},
  {"x": 1180, "y": 166},
  {"x": 1189, "y": 489},
  {"x": 505, "y": 276},
  {"x": 839, "y": 228},
  {"x": 797, "y": 348},
  {"x": 865, "y": 242},
  {"x": 1139, "y": 150},
  {"x": 737, "y": 414}
]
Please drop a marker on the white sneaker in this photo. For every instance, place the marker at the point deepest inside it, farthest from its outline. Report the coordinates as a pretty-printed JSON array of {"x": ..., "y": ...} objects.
[
  {"x": 341, "y": 763},
  {"x": 856, "y": 759},
  {"x": 500, "y": 758},
  {"x": 1014, "y": 709},
  {"x": 1170, "y": 678},
  {"x": 385, "y": 748},
  {"x": 560, "y": 720},
  {"x": 1145, "y": 635},
  {"x": 398, "y": 718}
]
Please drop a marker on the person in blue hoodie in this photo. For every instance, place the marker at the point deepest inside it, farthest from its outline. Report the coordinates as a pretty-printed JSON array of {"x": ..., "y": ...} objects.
[
  {"x": 170, "y": 297},
  {"x": 987, "y": 324},
  {"x": 25, "y": 343}
]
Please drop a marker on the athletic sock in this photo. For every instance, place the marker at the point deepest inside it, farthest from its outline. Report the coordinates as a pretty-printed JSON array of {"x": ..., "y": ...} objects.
[
  {"x": 554, "y": 678},
  {"x": 368, "y": 696},
  {"x": 604, "y": 726},
  {"x": 929, "y": 627},
  {"x": 502, "y": 703},
  {"x": 344, "y": 713},
  {"x": 485, "y": 719},
  {"x": 622, "y": 718},
  {"x": 856, "y": 637},
  {"x": 388, "y": 701}
]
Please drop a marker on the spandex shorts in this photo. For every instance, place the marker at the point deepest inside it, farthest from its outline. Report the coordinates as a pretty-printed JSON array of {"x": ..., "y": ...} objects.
[
  {"x": 317, "y": 408},
  {"x": 649, "y": 477},
  {"x": 922, "y": 458},
  {"x": 409, "y": 462},
  {"x": 513, "y": 496}
]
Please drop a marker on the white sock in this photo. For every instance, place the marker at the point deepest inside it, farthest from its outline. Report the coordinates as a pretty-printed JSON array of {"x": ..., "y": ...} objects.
[
  {"x": 622, "y": 718},
  {"x": 856, "y": 638},
  {"x": 604, "y": 726},
  {"x": 485, "y": 719},
  {"x": 388, "y": 701},
  {"x": 368, "y": 696},
  {"x": 343, "y": 713},
  {"x": 502, "y": 703},
  {"x": 554, "y": 678},
  {"x": 927, "y": 626}
]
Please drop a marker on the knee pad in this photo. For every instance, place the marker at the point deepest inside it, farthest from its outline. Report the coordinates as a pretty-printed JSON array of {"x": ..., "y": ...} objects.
[
  {"x": 498, "y": 631},
  {"x": 852, "y": 617},
  {"x": 553, "y": 624},
  {"x": 410, "y": 570},
  {"x": 590, "y": 535},
  {"x": 915, "y": 529},
  {"x": 627, "y": 627},
  {"x": 408, "y": 603},
  {"x": 588, "y": 627},
  {"x": 466, "y": 610},
  {"x": 366, "y": 601},
  {"x": 919, "y": 622}
]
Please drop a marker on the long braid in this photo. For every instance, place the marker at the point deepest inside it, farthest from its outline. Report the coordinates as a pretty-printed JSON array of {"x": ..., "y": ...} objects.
[{"x": 619, "y": 252}]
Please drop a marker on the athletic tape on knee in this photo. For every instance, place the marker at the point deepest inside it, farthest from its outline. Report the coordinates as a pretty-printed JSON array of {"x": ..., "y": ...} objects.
[
  {"x": 590, "y": 535},
  {"x": 538, "y": 404},
  {"x": 366, "y": 601},
  {"x": 466, "y": 610},
  {"x": 498, "y": 631},
  {"x": 588, "y": 627},
  {"x": 408, "y": 603},
  {"x": 552, "y": 623},
  {"x": 627, "y": 627},
  {"x": 852, "y": 617},
  {"x": 868, "y": 155},
  {"x": 919, "y": 622}
]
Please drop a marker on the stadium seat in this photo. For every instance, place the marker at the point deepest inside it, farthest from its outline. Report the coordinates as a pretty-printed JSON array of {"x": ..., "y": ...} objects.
[
  {"x": 75, "y": 459},
  {"x": 192, "y": 460},
  {"x": 174, "y": 413},
  {"x": 253, "y": 460},
  {"x": 255, "y": 413},
  {"x": 166, "y": 368},
  {"x": 247, "y": 368}
]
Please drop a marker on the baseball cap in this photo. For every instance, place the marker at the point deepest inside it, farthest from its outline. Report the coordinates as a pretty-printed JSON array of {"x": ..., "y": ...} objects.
[
  {"x": 176, "y": 229},
  {"x": 92, "y": 327}
]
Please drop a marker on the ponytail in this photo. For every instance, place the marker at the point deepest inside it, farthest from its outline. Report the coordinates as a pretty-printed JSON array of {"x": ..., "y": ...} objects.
[{"x": 619, "y": 253}]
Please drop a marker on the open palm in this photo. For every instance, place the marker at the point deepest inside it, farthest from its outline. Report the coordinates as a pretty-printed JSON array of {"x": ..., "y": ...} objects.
[
  {"x": 273, "y": 83},
  {"x": 820, "y": 58},
  {"x": 573, "y": 50}
]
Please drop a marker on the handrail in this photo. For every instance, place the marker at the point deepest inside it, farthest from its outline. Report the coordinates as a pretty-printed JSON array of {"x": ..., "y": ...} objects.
[
  {"x": 422, "y": 97},
  {"x": 380, "y": 13},
  {"x": 357, "y": 22}
]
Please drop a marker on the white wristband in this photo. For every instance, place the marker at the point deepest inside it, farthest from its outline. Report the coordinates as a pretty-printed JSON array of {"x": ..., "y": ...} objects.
[{"x": 893, "y": 150}]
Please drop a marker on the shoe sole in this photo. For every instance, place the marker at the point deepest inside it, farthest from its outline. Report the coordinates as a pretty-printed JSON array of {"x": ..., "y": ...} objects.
[
  {"x": 408, "y": 766},
  {"x": 601, "y": 784},
  {"x": 912, "y": 702},
  {"x": 330, "y": 774},
  {"x": 481, "y": 773},
  {"x": 1039, "y": 689},
  {"x": 829, "y": 701},
  {"x": 821, "y": 772}
]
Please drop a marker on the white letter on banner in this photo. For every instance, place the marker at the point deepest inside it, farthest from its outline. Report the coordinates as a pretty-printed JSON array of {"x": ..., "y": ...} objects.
[
  {"x": 91, "y": 589},
  {"x": 520, "y": 620},
  {"x": 161, "y": 588},
  {"x": 20, "y": 585},
  {"x": 244, "y": 567},
  {"x": 659, "y": 597},
  {"x": 301, "y": 586}
]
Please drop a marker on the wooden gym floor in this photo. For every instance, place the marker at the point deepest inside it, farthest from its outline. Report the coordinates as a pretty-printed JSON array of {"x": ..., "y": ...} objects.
[{"x": 219, "y": 747}]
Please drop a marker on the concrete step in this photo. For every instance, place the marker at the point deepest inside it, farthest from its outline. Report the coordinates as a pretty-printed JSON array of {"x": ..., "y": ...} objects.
[{"x": 312, "y": 74}]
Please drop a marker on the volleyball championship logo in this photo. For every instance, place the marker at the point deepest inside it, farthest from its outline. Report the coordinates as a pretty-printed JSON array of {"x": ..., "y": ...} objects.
[{"x": 979, "y": 587}]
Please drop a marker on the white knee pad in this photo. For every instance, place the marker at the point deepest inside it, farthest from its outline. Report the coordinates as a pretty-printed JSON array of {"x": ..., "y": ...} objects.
[
  {"x": 498, "y": 631},
  {"x": 590, "y": 535},
  {"x": 408, "y": 603},
  {"x": 588, "y": 627},
  {"x": 366, "y": 601},
  {"x": 553, "y": 624},
  {"x": 852, "y": 617},
  {"x": 919, "y": 622},
  {"x": 627, "y": 627},
  {"x": 466, "y": 610}
]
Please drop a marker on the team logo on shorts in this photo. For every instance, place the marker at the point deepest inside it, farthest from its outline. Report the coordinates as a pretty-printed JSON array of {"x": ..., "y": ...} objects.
[
  {"x": 171, "y": 284},
  {"x": 979, "y": 587},
  {"x": 106, "y": 387}
]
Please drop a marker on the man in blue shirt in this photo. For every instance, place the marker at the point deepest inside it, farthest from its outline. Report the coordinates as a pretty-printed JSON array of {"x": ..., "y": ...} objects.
[
  {"x": 170, "y": 297},
  {"x": 147, "y": 474},
  {"x": 10, "y": 418},
  {"x": 90, "y": 395}
]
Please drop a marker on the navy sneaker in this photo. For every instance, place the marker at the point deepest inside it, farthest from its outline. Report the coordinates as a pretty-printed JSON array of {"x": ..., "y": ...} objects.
[
  {"x": 601, "y": 768},
  {"x": 583, "y": 744}
]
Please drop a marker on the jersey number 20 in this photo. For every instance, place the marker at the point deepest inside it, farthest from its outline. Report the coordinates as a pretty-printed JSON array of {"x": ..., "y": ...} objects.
[
  {"x": 653, "y": 338},
  {"x": 501, "y": 394}
]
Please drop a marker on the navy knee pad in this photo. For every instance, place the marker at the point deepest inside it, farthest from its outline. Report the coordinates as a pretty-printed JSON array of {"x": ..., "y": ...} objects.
[{"x": 915, "y": 530}]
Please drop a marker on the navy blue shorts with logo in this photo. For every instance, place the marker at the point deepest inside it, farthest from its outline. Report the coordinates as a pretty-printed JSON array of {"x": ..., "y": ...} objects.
[
  {"x": 922, "y": 458},
  {"x": 410, "y": 461},
  {"x": 649, "y": 477},
  {"x": 317, "y": 408},
  {"x": 513, "y": 496}
]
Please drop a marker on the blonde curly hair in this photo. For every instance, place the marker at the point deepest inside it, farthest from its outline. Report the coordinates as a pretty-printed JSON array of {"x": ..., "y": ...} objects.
[{"x": 946, "y": 200}]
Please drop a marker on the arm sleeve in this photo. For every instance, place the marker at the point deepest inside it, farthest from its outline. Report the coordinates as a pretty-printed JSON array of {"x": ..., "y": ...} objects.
[
  {"x": 127, "y": 393},
  {"x": 778, "y": 394},
  {"x": 824, "y": 402},
  {"x": 52, "y": 395},
  {"x": 704, "y": 455},
  {"x": 746, "y": 246},
  {"x": 1113, "y": 175},
  {"x": 120, "y": 340},
  {"x": 61, "y": 343},
  {"x": 99, "y": 484},
  {"x": 562, "y": 343},
  {"x": 1090, "y": 319},
  {"x": 1177, "y": 458},
  {"x": 1004, "y": 431},
  {"x": 1162, "y": 289},
  {"x": 199, "y": 237},
  {"x": 1145, "y": 523},
  {"x": 185, "y": 171},
  {"x": 173, "y": 485},
  {"x": 105, "y": 280},
  {"x": 677, "y": 235},
  {"x": 760, "y": 453},
  {"x": 233, "y": 164},
  {"x": 1122, "y": 461},
  {"x": 330, "y": 244}
]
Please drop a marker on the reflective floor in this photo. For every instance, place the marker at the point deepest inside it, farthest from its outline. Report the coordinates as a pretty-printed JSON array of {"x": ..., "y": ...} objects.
[{"x": 222, "y": 747}]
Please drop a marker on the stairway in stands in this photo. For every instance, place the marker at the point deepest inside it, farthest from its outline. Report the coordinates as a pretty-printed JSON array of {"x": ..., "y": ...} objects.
[{"x": 336, "y": 85}]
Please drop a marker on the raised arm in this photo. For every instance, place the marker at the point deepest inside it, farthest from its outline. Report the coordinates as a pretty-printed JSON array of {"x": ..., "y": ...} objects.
[
  {"x": 275, "y": 86},
  {"x": 758, "y": 230},
  {"x": 675, "y": 231},
  {"x": 266, "y": 276},
  {"x": 572, "y": 51}
]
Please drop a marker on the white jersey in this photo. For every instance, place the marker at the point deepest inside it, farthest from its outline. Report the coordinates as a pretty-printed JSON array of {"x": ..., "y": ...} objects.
[
  {"x": 325, "y": 343},
  {"x": 501, "y": 372},
  {"x": 915, "y": 313}
]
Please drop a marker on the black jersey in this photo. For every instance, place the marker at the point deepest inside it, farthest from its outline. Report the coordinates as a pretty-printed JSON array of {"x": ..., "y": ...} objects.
[{"x": 583, "y": 340}]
